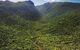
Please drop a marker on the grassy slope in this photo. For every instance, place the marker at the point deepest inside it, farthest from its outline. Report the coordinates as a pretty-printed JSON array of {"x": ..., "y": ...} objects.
[
  {"x": 62, "y": 33},
  {"x": 56, "y": 34}
]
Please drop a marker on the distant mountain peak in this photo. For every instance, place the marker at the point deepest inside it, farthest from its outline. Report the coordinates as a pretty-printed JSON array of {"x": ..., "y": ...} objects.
[{"x": 30, "y": 2}]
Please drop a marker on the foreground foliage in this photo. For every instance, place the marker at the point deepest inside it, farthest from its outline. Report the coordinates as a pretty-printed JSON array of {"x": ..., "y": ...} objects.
[{"x": 62, "y": 33}]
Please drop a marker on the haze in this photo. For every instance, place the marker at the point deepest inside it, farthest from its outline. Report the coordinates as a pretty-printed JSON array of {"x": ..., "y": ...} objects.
[{"x": 39, "y": 2}]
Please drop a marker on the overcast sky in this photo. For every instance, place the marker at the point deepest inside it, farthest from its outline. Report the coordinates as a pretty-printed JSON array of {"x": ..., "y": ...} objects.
[{"x": 39, "y": 2}]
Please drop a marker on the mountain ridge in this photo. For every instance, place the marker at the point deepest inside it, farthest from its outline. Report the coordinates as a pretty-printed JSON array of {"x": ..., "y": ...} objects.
[
  {"x": 25, "y": 9},
  {"x": 57, "y": 7}
]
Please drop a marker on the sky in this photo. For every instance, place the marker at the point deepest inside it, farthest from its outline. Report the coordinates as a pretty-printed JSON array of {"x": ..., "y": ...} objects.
[{"x": 39, "y": 2}]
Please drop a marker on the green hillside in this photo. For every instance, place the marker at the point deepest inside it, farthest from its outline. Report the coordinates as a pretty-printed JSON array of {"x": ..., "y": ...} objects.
[{"x": 46, "y": 33}]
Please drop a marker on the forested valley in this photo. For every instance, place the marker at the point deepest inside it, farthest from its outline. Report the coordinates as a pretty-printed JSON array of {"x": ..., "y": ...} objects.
[{"x": 51, "y": 26}]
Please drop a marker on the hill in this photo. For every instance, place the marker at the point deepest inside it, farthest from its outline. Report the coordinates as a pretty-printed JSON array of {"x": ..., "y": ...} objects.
[
  {"x": 57, "y": 8},
  {"x": 24, "y": 9},
  {"x": 22, "y": 28},
  {"x": 62, "y": 25}
]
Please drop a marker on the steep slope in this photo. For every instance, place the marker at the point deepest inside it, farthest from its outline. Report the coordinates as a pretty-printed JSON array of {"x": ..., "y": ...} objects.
[
  {"x": 15, "y": 19},
  {"x": 24, "y": 9},
  {"x": 58, "y": 8},
  {"x": 62, "y": 31},
  {"x": 66, "y": 16}
]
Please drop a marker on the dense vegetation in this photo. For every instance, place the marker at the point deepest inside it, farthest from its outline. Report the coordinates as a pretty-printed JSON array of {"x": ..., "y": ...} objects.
[{"x": 50, "y": 32}]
